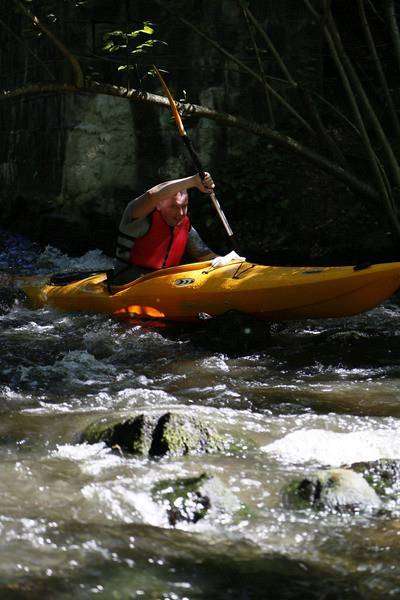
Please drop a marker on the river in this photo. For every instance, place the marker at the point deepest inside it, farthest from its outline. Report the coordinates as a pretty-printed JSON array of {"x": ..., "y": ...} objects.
[{"x": 79, "y": 520}]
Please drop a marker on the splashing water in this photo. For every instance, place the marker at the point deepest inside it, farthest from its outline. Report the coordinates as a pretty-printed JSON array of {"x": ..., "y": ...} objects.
[{"x": 82, "y": 519}]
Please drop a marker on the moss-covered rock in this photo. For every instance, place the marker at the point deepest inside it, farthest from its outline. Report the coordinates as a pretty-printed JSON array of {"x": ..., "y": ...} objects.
[
  {"x": 177, "y": 434},
  {"x": 155, "y": 435},
  {"x": 135, "y": 435},
  {"x": 193, "y": 498},
  {"x": 333, "y": 489},
  {"x": 383, "y": 475}
]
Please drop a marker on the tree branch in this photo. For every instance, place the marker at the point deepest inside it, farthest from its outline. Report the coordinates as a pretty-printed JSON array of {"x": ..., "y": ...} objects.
[
  {"x": 368, "y": 108},
  {"x": 316, "y": 120},
  {"x": 78, "y": 79},
  {"x": 260, "y": 64},
  {"x": 391, "y": 18},
  {"x": 194, "y": 110},
  {"x": 241, "y": 64},
  {"x": 28, "y": 49},
  {"x": 384, "y": 191},
  {"x": 379, "y": 68},
  {"x": 272, "y": 48}
]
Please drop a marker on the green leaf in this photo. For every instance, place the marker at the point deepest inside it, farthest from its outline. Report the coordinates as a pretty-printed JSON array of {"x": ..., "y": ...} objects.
[
  {"x": 148, "y": 44},
  {"x": 126, "y": 67}
]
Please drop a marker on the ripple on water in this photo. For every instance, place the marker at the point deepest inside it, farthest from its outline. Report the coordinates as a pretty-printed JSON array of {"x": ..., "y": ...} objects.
[{"x": 75, "y": 369}]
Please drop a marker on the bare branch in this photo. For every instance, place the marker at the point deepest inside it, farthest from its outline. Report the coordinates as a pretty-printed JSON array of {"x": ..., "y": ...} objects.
[
  {"x": 368, "y": 108},
  {"x": 272, "y": 48},
  {"x": 228, "y": 120},
  {"x": 339, "y": 56},
  {"x": 241, "y": 64},
  {"x": 325, "y": 139},
  {"x": 390, "y": 13},
  {"x": 259, "y": 61},
  {"x": 27, "y": 48},
  {"x": 79, "y": 79},
  {"x": 378, "y": 67}
]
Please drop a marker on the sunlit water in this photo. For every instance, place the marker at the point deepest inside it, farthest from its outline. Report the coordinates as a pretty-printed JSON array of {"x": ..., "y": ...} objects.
[{"x": 80, "y": 520}]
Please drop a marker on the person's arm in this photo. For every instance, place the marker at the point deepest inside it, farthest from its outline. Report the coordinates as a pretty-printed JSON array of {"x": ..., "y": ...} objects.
[
  {"x": 143, "y": 205},
  {"x": 196, "y": 249}
]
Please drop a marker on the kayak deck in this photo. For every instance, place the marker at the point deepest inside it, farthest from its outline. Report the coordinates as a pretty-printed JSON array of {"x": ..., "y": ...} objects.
[{"x": 267, "y": 292}]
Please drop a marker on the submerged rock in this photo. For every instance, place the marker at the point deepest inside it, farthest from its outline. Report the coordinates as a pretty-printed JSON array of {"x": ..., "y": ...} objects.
[
  {"x": 383, "y": 475},
  {"x": 156, "y": 435},
  {"x": 334, "y": 489},
  {"x": 193, "y": 498}
]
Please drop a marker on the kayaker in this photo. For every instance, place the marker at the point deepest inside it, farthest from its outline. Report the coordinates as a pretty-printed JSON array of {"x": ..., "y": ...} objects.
[{"x": 155, "y": 230}]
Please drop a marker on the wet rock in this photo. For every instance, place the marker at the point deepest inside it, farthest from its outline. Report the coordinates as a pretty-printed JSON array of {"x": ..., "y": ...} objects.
[
  {"x": 193, "y": 498},
  {"x": 333, "y": 489},
  {"x": 134, "y": 435},
  {"x": 178, "y": 435},
  {"x": 383, "y": 475},
  {"x": 155, "y": 435}
]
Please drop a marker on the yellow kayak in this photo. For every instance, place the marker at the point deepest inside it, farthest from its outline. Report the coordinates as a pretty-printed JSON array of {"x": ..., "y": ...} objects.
[{"x": 266, "y": 292}]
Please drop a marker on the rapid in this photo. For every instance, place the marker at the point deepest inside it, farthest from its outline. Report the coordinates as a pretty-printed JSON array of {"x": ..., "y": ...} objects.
[{"x": 79, "y": 519}]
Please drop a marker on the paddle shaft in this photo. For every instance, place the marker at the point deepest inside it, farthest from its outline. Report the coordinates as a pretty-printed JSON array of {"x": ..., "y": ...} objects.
[
  {"x": 194, "y": 156},
  {"x": 198, "y": 165}
]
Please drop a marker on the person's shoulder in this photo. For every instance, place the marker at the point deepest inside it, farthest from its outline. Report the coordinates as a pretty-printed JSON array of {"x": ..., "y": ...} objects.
[{"x": 135, "y": 227}]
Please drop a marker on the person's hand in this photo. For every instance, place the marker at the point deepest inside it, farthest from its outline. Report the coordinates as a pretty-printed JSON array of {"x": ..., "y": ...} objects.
[{"x": 205, "y": 185}]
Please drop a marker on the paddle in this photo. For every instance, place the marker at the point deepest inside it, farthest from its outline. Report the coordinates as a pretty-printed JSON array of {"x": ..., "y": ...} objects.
[{"x": 195, "y": 157}]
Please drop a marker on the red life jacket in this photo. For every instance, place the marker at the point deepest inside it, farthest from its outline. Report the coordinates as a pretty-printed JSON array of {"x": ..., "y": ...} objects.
[{"x": 162, "y": 246}]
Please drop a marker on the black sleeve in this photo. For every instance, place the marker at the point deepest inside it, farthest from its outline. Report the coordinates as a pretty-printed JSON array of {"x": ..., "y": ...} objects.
[{"x": 196, "y": 248}]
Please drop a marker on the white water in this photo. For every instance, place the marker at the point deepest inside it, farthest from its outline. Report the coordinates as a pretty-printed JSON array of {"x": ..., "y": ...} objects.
[{"x": 317, "y": 394}]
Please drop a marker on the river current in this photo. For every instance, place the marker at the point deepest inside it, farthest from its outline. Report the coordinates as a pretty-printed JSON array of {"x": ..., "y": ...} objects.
[{"x": 79, "y": 520}]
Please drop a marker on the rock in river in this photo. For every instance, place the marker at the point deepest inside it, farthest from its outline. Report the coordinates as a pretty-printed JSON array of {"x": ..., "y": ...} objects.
[
  {"x": 383, "y": 475},
  {"x": 193, "y": 498},
  {"x": 156, "y": 435},
  {"x": 334, "y": 489}
]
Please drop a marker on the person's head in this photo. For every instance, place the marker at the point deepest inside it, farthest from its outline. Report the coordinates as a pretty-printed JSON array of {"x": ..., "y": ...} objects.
[{"x": 174, "y": 209}]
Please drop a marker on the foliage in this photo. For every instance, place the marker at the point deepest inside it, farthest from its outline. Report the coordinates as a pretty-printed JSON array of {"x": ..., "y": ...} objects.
[
  {"x": 124, "y": 42},
  {"x": 125, "y": 45}
]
